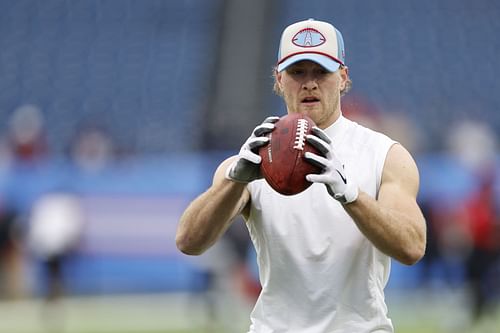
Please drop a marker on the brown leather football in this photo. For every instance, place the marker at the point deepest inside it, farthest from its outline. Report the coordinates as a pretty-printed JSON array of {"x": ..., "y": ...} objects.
[{"x": 283, "y": 164}]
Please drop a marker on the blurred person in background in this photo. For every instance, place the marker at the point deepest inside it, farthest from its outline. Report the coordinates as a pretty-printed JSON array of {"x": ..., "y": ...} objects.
[
  {"x": 24, "y": 144},
  {"x": 448, "y": 244},
  {"x": 474, "y": 145},
  {"x": 481, "y": 215},
  {"x": 11, "y": 280},
  {"x": 55, "y": 228},
  {"x": 324, "y": 255},
  {"x": 92, "y": 148},
  {"x": 394, "y": 124},
  {"x": 359, "y": 109},
  {"x": 12, "y": 277},
  {"x": 26, "y": 134}
]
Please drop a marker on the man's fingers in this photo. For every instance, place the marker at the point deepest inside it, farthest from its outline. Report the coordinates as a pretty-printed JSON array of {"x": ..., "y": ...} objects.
[
  {"x": 242, "y": 171},
  {"x": 314, "y": 178},
  {"x": 263, "y": 129},
  {"x": 316, "y": 160},
  {"x": 321, "y": 134},
  {"x": 272, "y": 119},
  {"x": 266, "y": 126},
  {"x": 319, "y": 144},
  {"x": 251, "y": 156},
  {"x": 257, "y": 142},
  {"x": 249, "y": 152}
]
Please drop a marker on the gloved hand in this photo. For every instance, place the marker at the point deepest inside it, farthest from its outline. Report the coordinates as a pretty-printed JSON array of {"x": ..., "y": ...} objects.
[
  {"x": 247, "y": 167},
  {"x": 333, "y": 176}
]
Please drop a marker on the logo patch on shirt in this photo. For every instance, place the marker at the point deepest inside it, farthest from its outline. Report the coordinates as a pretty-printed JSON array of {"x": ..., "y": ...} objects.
[{"x": 308, "y": 38}]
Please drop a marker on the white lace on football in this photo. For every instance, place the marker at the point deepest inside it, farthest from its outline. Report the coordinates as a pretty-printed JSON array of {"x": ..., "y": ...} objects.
[{"x": 300, "y": 134}]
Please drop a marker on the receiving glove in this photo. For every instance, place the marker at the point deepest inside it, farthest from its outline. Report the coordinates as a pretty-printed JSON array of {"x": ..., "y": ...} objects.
[
  {"x": 333, "y": 176},
  {"x": 246, "y": 167}
]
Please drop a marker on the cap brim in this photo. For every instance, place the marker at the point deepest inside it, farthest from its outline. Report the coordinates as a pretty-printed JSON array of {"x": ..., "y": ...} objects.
[{"x": 328, "y": 63}]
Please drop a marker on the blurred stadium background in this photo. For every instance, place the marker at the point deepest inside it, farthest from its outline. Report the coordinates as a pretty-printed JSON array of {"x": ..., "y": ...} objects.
[{"x": 115, "y": 113}]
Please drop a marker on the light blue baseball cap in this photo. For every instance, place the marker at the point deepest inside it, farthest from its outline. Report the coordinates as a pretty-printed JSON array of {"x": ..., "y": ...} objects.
[{"x": 311, "y": 40}]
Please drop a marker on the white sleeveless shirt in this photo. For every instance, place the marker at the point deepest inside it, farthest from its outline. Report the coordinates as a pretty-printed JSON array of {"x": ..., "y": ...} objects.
[{"x": 319, "y": 273}]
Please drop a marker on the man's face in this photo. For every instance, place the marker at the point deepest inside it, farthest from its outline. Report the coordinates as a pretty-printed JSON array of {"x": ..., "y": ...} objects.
[{"x": 310, "y": 89}]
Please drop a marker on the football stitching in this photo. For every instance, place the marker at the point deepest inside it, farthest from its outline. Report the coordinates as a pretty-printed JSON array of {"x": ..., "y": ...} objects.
[
  {"x": 269, "y": 150},
  {"x": 284, "y": 178},
  {"x": 300, "y": 134}
]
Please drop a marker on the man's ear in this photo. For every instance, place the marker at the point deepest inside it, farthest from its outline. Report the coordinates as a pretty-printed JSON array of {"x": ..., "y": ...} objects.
[
  {"x": 278, "y": 75},
  {"x": 277, "y": 82},
  {"x": 344, "y": 74}
]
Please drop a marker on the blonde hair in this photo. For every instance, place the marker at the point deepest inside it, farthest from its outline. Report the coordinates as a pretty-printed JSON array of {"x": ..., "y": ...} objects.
[{"x": 277, "y": 90}]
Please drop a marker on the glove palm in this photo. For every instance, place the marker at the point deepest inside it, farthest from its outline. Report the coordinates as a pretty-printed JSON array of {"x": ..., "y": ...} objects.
[
  {"x": 333, "y": 176},
  {"x": 246, "y": 167}
]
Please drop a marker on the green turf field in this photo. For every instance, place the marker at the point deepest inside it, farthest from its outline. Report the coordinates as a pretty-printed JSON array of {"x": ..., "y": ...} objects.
[{"x": 416, "y": 312}]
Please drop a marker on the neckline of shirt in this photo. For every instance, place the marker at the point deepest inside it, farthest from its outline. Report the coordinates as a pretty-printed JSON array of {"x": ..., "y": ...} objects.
[{"x": 336, "y": 130}]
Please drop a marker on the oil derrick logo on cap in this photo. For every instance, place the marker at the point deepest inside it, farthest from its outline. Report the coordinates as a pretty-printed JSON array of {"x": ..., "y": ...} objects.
[{"x": 308, "y": 38}]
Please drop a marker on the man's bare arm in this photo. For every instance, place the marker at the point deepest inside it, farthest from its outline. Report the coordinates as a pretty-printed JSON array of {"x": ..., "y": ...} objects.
[
  {"x": 207, "y": 218},
  {"x": 394, "y": 222}
]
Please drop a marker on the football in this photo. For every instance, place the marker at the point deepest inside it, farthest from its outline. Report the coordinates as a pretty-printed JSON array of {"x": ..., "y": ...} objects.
[{"x": 283, "y": 165}]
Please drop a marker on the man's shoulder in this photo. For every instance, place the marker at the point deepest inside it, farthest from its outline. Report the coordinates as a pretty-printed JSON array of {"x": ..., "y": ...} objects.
[{"x": 366, "y": 135}]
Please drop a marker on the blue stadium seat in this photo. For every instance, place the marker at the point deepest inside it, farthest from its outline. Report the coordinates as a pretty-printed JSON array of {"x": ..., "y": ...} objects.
[{"x": 119, "y": 62}]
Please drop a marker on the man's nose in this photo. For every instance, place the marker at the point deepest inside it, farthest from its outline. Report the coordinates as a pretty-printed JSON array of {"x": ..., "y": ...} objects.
[{"x": 310, "y": 83}]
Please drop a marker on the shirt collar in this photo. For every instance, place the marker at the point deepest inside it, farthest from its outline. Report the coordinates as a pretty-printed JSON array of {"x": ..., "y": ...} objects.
[{"x": 336, "y": 129}]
